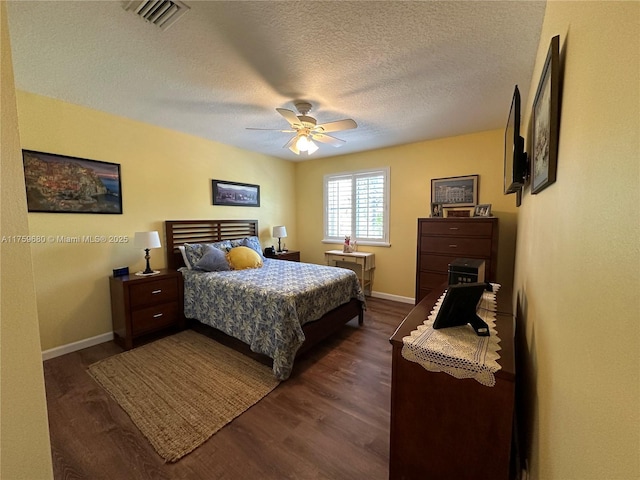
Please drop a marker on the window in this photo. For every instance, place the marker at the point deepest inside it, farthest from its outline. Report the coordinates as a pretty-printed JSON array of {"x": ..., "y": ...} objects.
[{"x": 357, "y": 204}]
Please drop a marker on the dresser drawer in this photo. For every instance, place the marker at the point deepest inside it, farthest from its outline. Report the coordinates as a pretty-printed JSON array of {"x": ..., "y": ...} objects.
[
  {"x": 432, "y": 280},
  {"x": 437, "y": 263},
  {"x": 460, "y": 247},
  {"x": 475, "y": 228},
  {"x": 156, "y": 292},
  {"x": 154, "y": 318}
]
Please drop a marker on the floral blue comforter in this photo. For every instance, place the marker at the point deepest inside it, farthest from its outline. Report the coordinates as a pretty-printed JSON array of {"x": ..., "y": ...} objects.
[{"x": 266, "y": 307}]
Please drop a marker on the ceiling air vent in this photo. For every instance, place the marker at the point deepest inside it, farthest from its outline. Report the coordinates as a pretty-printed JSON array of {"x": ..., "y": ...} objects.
[{"x": 162, "y": 13}]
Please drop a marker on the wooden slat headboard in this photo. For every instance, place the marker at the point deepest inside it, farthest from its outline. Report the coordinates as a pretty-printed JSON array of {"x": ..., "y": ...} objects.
[{"x": 179, "y": 232}]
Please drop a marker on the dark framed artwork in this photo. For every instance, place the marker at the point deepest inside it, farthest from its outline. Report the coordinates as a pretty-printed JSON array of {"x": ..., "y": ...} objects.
[
  {"x": 61, "y": 184},
  {"x": 455, "y": 191},
  {"x": 544, "y": 119},
  {"x": 235, "y": 194}
]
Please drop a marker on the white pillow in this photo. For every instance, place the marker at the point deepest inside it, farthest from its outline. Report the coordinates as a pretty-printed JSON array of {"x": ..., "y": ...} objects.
[{"x": 184, "y": 257}]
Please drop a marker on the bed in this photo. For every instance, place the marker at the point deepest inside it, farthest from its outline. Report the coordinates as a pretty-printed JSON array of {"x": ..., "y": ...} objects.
[{"x": 280, "y": 310}]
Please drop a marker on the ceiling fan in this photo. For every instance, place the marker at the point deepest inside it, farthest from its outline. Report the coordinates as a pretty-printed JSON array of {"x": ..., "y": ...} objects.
[{"x": 307, "y": 130}]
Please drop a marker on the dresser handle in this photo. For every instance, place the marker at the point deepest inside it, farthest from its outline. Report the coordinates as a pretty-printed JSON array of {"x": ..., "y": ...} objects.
[
  {"x": 157, "y": 315},
  {"x": 453, "y": 246},
  {"x": 453, "y": 228},
  {"x": 156, "y": 291}
]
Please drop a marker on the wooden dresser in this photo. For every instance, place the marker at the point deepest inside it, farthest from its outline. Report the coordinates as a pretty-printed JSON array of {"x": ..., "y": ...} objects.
[
  {"x": 442, "y": 240},
  {"x": 447, "y": 428}
]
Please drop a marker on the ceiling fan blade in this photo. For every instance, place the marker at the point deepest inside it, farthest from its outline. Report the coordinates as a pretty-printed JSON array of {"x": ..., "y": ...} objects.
[
  {"x": 291, "y": 145},
  {"x": 321, "y": 137},
  {"x": 336, "y": 126},
  {"x": 289, "y": 116},
  {"x": 272, "y": 130}
]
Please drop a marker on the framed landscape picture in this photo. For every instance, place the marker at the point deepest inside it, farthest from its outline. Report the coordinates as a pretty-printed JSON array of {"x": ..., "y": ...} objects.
[
  {"x": 544, "y": 119},
  {"x": 235, "y": 194},
  {"x": 455, "y": 191},
  {"x": 62, "y": 184}
]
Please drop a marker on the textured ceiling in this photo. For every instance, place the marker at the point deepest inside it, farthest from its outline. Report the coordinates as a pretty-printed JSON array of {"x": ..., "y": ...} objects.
[{"x": 404, "y": 71}]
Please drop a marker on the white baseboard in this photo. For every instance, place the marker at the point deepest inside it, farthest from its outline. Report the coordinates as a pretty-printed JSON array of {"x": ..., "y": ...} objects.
[
  {"x": 395, "y": 298},
  {"x": 106, "y": 337},
  {"x": 75, "y": 346}
]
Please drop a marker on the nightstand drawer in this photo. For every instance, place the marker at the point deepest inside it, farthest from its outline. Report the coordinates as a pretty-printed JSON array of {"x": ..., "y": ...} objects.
[
  {"x": 291, "y": 255},
  {"x": 153, "y": 293},
  {"x": 153, "y": 318}
]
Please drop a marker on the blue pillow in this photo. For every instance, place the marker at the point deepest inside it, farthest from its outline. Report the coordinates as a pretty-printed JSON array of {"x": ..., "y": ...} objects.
[
  {"x": 213, "y": 260},
  {"x": 254, "y": 244},
  {"x": 195, "y": 251}
]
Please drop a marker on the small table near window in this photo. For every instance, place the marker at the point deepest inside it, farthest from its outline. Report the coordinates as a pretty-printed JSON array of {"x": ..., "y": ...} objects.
[{"x": 363, "y": 263}]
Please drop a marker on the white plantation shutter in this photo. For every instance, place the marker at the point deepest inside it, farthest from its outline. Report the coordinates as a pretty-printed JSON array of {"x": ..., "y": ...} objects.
[{"x": 356, "y": 204}]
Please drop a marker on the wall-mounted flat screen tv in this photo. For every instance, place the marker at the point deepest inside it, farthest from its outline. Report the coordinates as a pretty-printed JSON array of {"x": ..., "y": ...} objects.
[{"x": 515, "y": 159}]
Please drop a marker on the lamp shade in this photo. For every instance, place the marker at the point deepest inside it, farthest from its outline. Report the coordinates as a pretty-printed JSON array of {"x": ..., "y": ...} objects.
[
  {"x": 146, "y": 240},
  {"x": 280, "y": 231}
]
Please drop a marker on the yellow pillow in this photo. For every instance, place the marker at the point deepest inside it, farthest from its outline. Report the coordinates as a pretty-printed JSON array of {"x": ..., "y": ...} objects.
[{"x": 240, "y": 258}]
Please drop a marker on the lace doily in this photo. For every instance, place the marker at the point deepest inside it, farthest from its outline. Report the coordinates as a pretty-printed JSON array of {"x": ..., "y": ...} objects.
[{"x": 457, "y": 351}]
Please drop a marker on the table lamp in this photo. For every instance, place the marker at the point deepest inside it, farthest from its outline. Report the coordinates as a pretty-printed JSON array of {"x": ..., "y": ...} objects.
[
  {"x": 147, "y": 241},
  {"x": 279, "y": 232}
]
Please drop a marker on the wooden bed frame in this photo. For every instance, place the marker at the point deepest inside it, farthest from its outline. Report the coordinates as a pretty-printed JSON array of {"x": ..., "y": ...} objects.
[{"x": 179, "y": 232}]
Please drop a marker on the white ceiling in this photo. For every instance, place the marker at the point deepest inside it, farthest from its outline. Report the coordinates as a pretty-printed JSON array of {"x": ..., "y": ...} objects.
[{"x": 404, "y": 71}]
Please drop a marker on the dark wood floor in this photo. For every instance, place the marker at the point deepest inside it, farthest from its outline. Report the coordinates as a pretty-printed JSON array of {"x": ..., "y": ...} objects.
[{"x": 330, "y": 420}]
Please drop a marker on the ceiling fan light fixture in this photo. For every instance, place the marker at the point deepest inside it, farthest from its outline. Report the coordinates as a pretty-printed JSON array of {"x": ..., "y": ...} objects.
[
  {"x": 302, "y": 143},
  {"x": 294, "y": 149},
  {"x": 307, "y": 130},
  {"x": 312, "y": 147}
]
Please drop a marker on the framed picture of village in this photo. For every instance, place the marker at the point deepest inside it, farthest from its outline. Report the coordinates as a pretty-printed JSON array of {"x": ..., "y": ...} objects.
[
  {"x": 235, "y": 194},
  {"x": 61, "y": 184}
]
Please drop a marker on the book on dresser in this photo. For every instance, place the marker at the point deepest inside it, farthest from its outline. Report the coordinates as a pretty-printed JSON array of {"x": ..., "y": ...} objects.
[{"x": 443, "y": 240}]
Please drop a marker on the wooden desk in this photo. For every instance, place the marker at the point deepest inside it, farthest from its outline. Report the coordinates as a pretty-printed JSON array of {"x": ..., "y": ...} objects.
[
  {"x": 448, "y": 428},
  {"x": 363, "y": 263}
]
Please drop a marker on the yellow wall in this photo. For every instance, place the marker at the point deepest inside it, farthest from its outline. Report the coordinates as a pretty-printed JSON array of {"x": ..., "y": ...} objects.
[
  {"x": 577, "y": 266},
  {"x": 24, "y": 433},
  {"x": 411, "y": 169},
  {"x": 166, "y": 175}
]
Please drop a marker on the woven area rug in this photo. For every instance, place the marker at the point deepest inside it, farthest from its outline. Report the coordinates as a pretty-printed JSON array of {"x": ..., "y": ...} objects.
[{"x": 182, "y": 389}]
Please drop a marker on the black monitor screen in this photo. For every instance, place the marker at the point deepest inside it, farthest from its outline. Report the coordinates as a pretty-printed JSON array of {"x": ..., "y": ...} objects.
[{"x": 459, "y": 308}]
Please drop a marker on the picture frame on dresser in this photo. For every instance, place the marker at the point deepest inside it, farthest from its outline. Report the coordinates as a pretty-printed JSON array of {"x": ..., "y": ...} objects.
[
  {"x": 544, "y": 120},
  {"x": 482, "y": 210},
  {"x": 436, "y": 210},
  {"x": 455, "y": 191}
]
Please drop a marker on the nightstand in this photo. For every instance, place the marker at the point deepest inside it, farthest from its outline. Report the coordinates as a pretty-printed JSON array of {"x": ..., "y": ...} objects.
[
  {"x": 291, "y": 255},
  {"x": 145, "y": 305}
]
